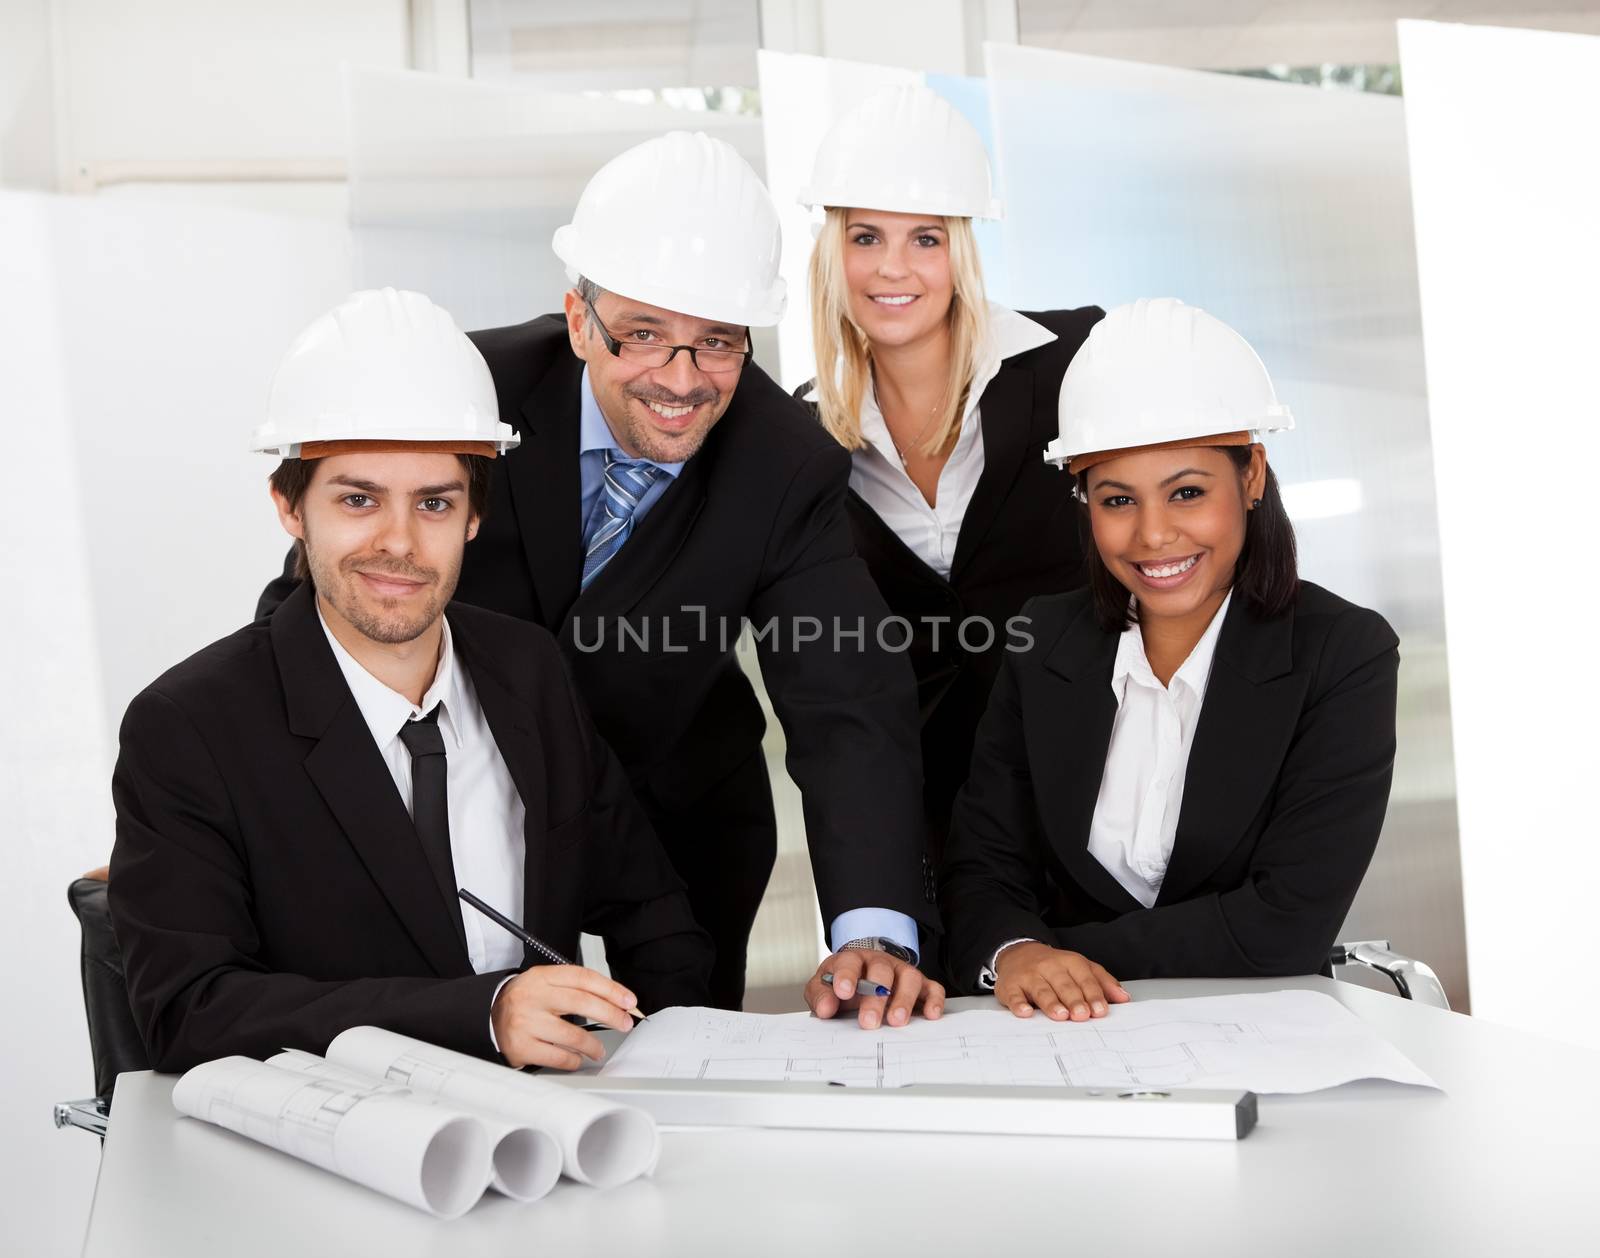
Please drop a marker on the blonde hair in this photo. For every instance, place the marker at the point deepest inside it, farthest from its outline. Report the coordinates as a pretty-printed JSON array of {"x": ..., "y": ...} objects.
[{"x": 844, "y": 356}]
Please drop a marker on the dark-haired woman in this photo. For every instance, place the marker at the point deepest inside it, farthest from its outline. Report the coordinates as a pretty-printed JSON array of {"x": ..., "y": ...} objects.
[{"x": 1184, "y": 770}]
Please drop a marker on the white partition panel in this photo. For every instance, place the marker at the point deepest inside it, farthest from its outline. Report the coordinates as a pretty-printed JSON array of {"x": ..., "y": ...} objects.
[
  {"x": 1505, "y": 167},
  {"x": 1284, "y": 210},
  {"x": 53, "y": 761},
  {"x": 174, "y": 318},
  {"x": 139, "y": 342}
]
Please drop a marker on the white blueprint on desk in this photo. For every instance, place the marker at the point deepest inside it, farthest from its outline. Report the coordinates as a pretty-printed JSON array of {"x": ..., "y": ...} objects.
[{"x": 1289, "y": 1041}]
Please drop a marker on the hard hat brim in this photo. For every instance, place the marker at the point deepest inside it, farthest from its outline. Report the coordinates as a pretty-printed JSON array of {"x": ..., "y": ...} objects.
[
  {"x": 1083, "y": 462},
  {"x": 836, "y": 199},
  {"x": 327, "y": 449}
]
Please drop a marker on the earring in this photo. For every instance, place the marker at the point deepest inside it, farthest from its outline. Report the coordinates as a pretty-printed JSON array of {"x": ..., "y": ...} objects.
[{"x": 1254, "y": 503}]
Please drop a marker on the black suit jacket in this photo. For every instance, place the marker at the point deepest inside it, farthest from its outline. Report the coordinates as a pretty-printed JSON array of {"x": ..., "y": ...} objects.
[
  {"x": 1020, "y": 537},
  {"x": 269, "y": 889},
  {"x": 753, "y": 527},
  {"x": 1285, "y": 793}
]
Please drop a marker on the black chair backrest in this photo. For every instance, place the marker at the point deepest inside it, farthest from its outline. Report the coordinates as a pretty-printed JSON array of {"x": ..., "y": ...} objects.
[{"x": 114, "y": 1039}]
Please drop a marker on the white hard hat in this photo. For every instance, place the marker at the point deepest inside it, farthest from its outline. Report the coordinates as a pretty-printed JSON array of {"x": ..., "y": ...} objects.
[
  {"x": 906, "y": 150},
  {"x": 1158, "y": 372},
  {"x": 382, "y": 367},
  {"x": 680, "y": 222}
]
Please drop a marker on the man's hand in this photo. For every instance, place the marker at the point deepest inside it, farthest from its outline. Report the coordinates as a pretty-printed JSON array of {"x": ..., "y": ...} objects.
[
  {"x": 853, "y": 968},
  {"x": 1063, "y": 984},
  {"x": 528, "y": 1015}
]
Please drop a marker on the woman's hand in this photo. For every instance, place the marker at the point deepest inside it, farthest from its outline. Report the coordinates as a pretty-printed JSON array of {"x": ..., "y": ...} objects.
[{"x": 1063, "y": 984}]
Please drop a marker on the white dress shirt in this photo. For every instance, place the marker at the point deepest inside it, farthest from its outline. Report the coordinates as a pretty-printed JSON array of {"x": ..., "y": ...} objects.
[
  {"x": 1141, "y": 791},
  {"x": 879, "y": 475},
  {"x": 486, "y": 813}
]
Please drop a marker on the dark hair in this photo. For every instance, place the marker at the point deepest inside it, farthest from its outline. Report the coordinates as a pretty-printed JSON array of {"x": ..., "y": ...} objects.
[
  {"x": 1266, "y": 574},
  {"x": 292, "y": 477}
]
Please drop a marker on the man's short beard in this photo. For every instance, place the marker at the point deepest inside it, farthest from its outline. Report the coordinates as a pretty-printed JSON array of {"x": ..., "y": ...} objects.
[
  {"x": 336, "y": 586},
  {"x": 650, "y": 444},
  {"x": 392, "y": 632}
]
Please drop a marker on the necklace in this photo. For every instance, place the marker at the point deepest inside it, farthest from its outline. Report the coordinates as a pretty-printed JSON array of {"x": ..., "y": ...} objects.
[{"x": 916, "y": 442}]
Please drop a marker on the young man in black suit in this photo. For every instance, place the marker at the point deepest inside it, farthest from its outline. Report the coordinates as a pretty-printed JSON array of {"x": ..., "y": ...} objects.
[
  {"x": 666, "y": 491},
  {"x": 298, "y": 803}
]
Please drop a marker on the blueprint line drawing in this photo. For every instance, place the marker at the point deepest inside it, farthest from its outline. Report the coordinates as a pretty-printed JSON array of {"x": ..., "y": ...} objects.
[
  {"x": 431, "y": 1158},
  {"x": 1290, "y": 1041},
  {"x": 1162, "y": 1055}
]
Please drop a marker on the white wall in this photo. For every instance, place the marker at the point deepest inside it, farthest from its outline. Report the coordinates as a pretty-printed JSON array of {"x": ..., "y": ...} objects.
[
  {"x": 177, "y": 316},
  {"x": 27, "y": 95},
  {"x": 1506, "y": 176},
  {"x": 167, "y": 84},
  {"x": 54, "y": 761},
  {"x": 140, "y": 338},
  {"x": 140, "y": 327}
]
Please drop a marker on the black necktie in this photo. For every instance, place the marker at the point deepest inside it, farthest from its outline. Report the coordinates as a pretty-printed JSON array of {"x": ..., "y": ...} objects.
[{"x": 430, "y": 804}]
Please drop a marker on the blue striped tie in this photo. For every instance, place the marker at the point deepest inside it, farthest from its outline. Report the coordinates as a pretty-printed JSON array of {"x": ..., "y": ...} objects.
[{"x": 627, "y": 481}]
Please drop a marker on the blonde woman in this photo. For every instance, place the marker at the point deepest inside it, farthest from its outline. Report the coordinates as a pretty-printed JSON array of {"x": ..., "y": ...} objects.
[{"x": 945, "y": 401}]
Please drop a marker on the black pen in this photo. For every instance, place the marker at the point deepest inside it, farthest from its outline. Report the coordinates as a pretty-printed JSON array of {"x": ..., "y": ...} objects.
[{"x": 500, "y": 919}]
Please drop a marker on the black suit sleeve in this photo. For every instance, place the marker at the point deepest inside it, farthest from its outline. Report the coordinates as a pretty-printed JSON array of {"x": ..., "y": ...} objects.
[
  {"x": 994, "y": 864},
  {"x": 1327, "y": 812},
  {"x": 634, "y": 901},
  {"x": 180, "y": 900},
  {"x": 848, "y": 707},
  {"x": 278, "y": 589}
]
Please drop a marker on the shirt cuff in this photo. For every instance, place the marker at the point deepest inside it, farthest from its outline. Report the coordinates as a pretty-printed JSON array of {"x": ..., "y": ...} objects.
[
  {"x": 987, "y": 976},
  {"x": 492, "y": 999},
  {"x": 870, "y": 923}
]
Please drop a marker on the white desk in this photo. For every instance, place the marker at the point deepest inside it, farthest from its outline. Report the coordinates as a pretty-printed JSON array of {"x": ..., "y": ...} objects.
[{"x": 1507, "y": 1162}]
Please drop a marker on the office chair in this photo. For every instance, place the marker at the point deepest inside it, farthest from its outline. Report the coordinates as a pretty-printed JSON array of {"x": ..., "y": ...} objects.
[
  {"x": 114, "y": 1040},
  {"x": 1411, "y": 978}
]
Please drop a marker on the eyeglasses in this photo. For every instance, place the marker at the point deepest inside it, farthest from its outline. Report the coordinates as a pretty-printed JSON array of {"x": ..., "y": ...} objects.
[{"x": 714, "y": 362}]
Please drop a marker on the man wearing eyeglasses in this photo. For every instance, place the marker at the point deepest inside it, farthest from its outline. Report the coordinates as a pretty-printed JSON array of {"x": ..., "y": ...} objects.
[{"x": 666, "y": 492}]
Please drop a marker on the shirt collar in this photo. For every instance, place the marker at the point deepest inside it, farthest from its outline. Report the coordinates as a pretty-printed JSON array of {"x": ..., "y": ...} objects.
[
  {"x": 386, "y": 710},
  {"x": 1010, "y": 334},
  {"x": 1193, "y": 673},
  {"x": 595, "y": 435}
]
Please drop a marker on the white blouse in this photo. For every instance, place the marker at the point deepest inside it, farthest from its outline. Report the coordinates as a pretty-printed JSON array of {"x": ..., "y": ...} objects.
[
  {"x": 1141, "y": 791},
  {"x": 879, "y": 474}
]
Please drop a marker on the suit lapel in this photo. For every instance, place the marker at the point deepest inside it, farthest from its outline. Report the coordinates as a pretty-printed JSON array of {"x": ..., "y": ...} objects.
[
  {"x": 546, "y": 490},
  {"x": 510, "y": 719},
  {"x": 1252, "y": 704},
  {"x": 1005, "y": 411},
  {"x": 349, "y": 773},
  {"x": 1067, "y": 720}
]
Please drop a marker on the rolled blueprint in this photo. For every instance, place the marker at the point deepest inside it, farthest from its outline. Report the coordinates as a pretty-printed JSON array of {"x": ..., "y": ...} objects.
[
  {"x": 432, "y": 1158},
  {"x": 602, "y": 1143},
  {"x": 525, "y": 1162}
]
